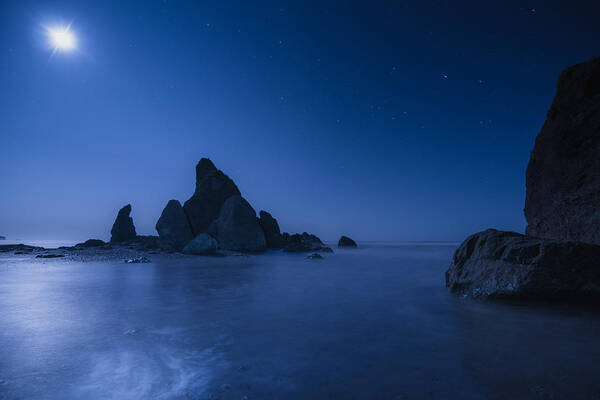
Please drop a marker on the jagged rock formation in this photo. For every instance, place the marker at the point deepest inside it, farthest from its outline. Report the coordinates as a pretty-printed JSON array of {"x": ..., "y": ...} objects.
[
  {"x": 201, "y": 245},
  {"x": 237, "y": 227},
  {"x": 218, "y": 209},
  {"x": 270, "y": 227},
  {"x": 345, "y": 241},
  {"x": 497, "y": 264},
  {"x": 305, "y": 242},
  {"x": 173, "y": 226},
  {"x": 123, "y": 229},
  {"x": 563, "y": 176},
  {"x": 213, "y": 187}
]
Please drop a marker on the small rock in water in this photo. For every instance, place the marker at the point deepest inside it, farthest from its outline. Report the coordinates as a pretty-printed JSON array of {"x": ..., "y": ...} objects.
[
  {"x": 123, "y": 229},
  {"x": 345, "y": 241},
  {"x": 315, "y": 256},
  {"x": 49, "y": 255},
  {"x": 137, "y": 260}
]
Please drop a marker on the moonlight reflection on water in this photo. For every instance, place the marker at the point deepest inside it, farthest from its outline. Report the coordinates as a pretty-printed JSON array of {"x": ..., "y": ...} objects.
[{"x": 376, "y": 322}]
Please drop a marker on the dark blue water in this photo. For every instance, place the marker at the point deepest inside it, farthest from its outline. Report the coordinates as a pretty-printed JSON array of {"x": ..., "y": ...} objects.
[{"x": 374, "y": 323}]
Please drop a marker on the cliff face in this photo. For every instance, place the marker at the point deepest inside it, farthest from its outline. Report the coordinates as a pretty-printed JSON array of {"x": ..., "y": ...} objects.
[
  {"x": 563, "y": 175},
  {"x": 558, "y": 258}
]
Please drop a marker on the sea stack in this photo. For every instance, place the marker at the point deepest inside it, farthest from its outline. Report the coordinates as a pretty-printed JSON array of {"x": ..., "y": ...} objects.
[
  {"x": 345, "y": 241},
  {"x": 218, "y": 209},
  {"x": 563, "y": 175},
  {"x": 237, "y": 227},
  {"x": 270, "y": 227},
  {"x": 558, "y": 256},
  {"x": 123, "y": 229},
  {"x": 213, "y": 187},
  {"x": 173, "y": 226}
]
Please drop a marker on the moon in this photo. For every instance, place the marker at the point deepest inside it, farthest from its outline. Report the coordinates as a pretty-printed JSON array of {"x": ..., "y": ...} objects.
[{"x": 62, "y": 38}]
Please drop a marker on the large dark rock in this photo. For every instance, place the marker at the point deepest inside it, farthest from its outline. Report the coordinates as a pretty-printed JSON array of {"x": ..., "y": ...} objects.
[
  {"x": 173, "y": 226},
  {"x": 563, "y": 176},
  {"x": 498, "y": 264},
  {"x": 213, "y": 187},
  {"x": 201, "y": 245},
  {"x": 123, "y": 229},
  {"x": 305, "y": 242},
  {"x": 2, "y": 237},
  {"x": 270, "y": 227},
  {"x": 237, "y": 227},
  {"x": 345, "y": 241}
]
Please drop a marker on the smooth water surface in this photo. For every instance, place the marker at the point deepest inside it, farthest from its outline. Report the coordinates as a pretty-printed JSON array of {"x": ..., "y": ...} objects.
[{"x": 371, "y": 323}]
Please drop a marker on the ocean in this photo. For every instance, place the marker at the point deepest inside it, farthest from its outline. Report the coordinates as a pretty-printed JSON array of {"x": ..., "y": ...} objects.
[{"x": 372, "y": 323}]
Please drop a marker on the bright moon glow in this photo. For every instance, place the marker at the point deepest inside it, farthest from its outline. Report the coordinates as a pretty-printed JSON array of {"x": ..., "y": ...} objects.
[{"x": 62, "y": 38}]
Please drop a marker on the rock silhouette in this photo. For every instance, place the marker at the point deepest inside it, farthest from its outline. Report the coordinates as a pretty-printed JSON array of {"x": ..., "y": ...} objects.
[
  {"x": 563, "y": 175},
  {"x": 123, "y": 229},
  {"x": 216, "y": 212},
  {"x": 345, "y": 241},
  {"x": 305, "y": 242},
  {"x": 237, "y": 227},
  {"x": 173, "y": 226},
  {"x": 213, "y": 187},
  {"x": 201, "y": 245},
  {"x": 271, "y": 230}
]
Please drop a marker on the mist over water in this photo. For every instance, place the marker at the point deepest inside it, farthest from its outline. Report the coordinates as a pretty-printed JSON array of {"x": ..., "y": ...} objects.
[{"x": 371, "y": 323}]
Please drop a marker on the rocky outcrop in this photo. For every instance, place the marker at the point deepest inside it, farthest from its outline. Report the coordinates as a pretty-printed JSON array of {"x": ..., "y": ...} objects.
[
  {"x": 217, "y": 209},
  {"x": 173, "y": 226},
  {"x": 22, "y": 248},
  {"x": 2, "y": 237},
  {"x": 563, "y": 175},
  {"x": 345, "y": 241},
  {"x": 201, "y": 245},
  {"x": 498, "y": 264},
  {"x": 271, "y": 230},
  {"x": 91, "y": 243},
  {"x": 237, "y": 227},
  {"x": 558, "y": 258},
  {"x": 213, "y": 187},
  {"x": 123, "y": 229},
  {"x": 305, "y": 242}
]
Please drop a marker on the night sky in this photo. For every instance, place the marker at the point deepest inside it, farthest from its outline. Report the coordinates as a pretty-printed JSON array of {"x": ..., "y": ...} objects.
[{"x": 379, "y": 120}]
